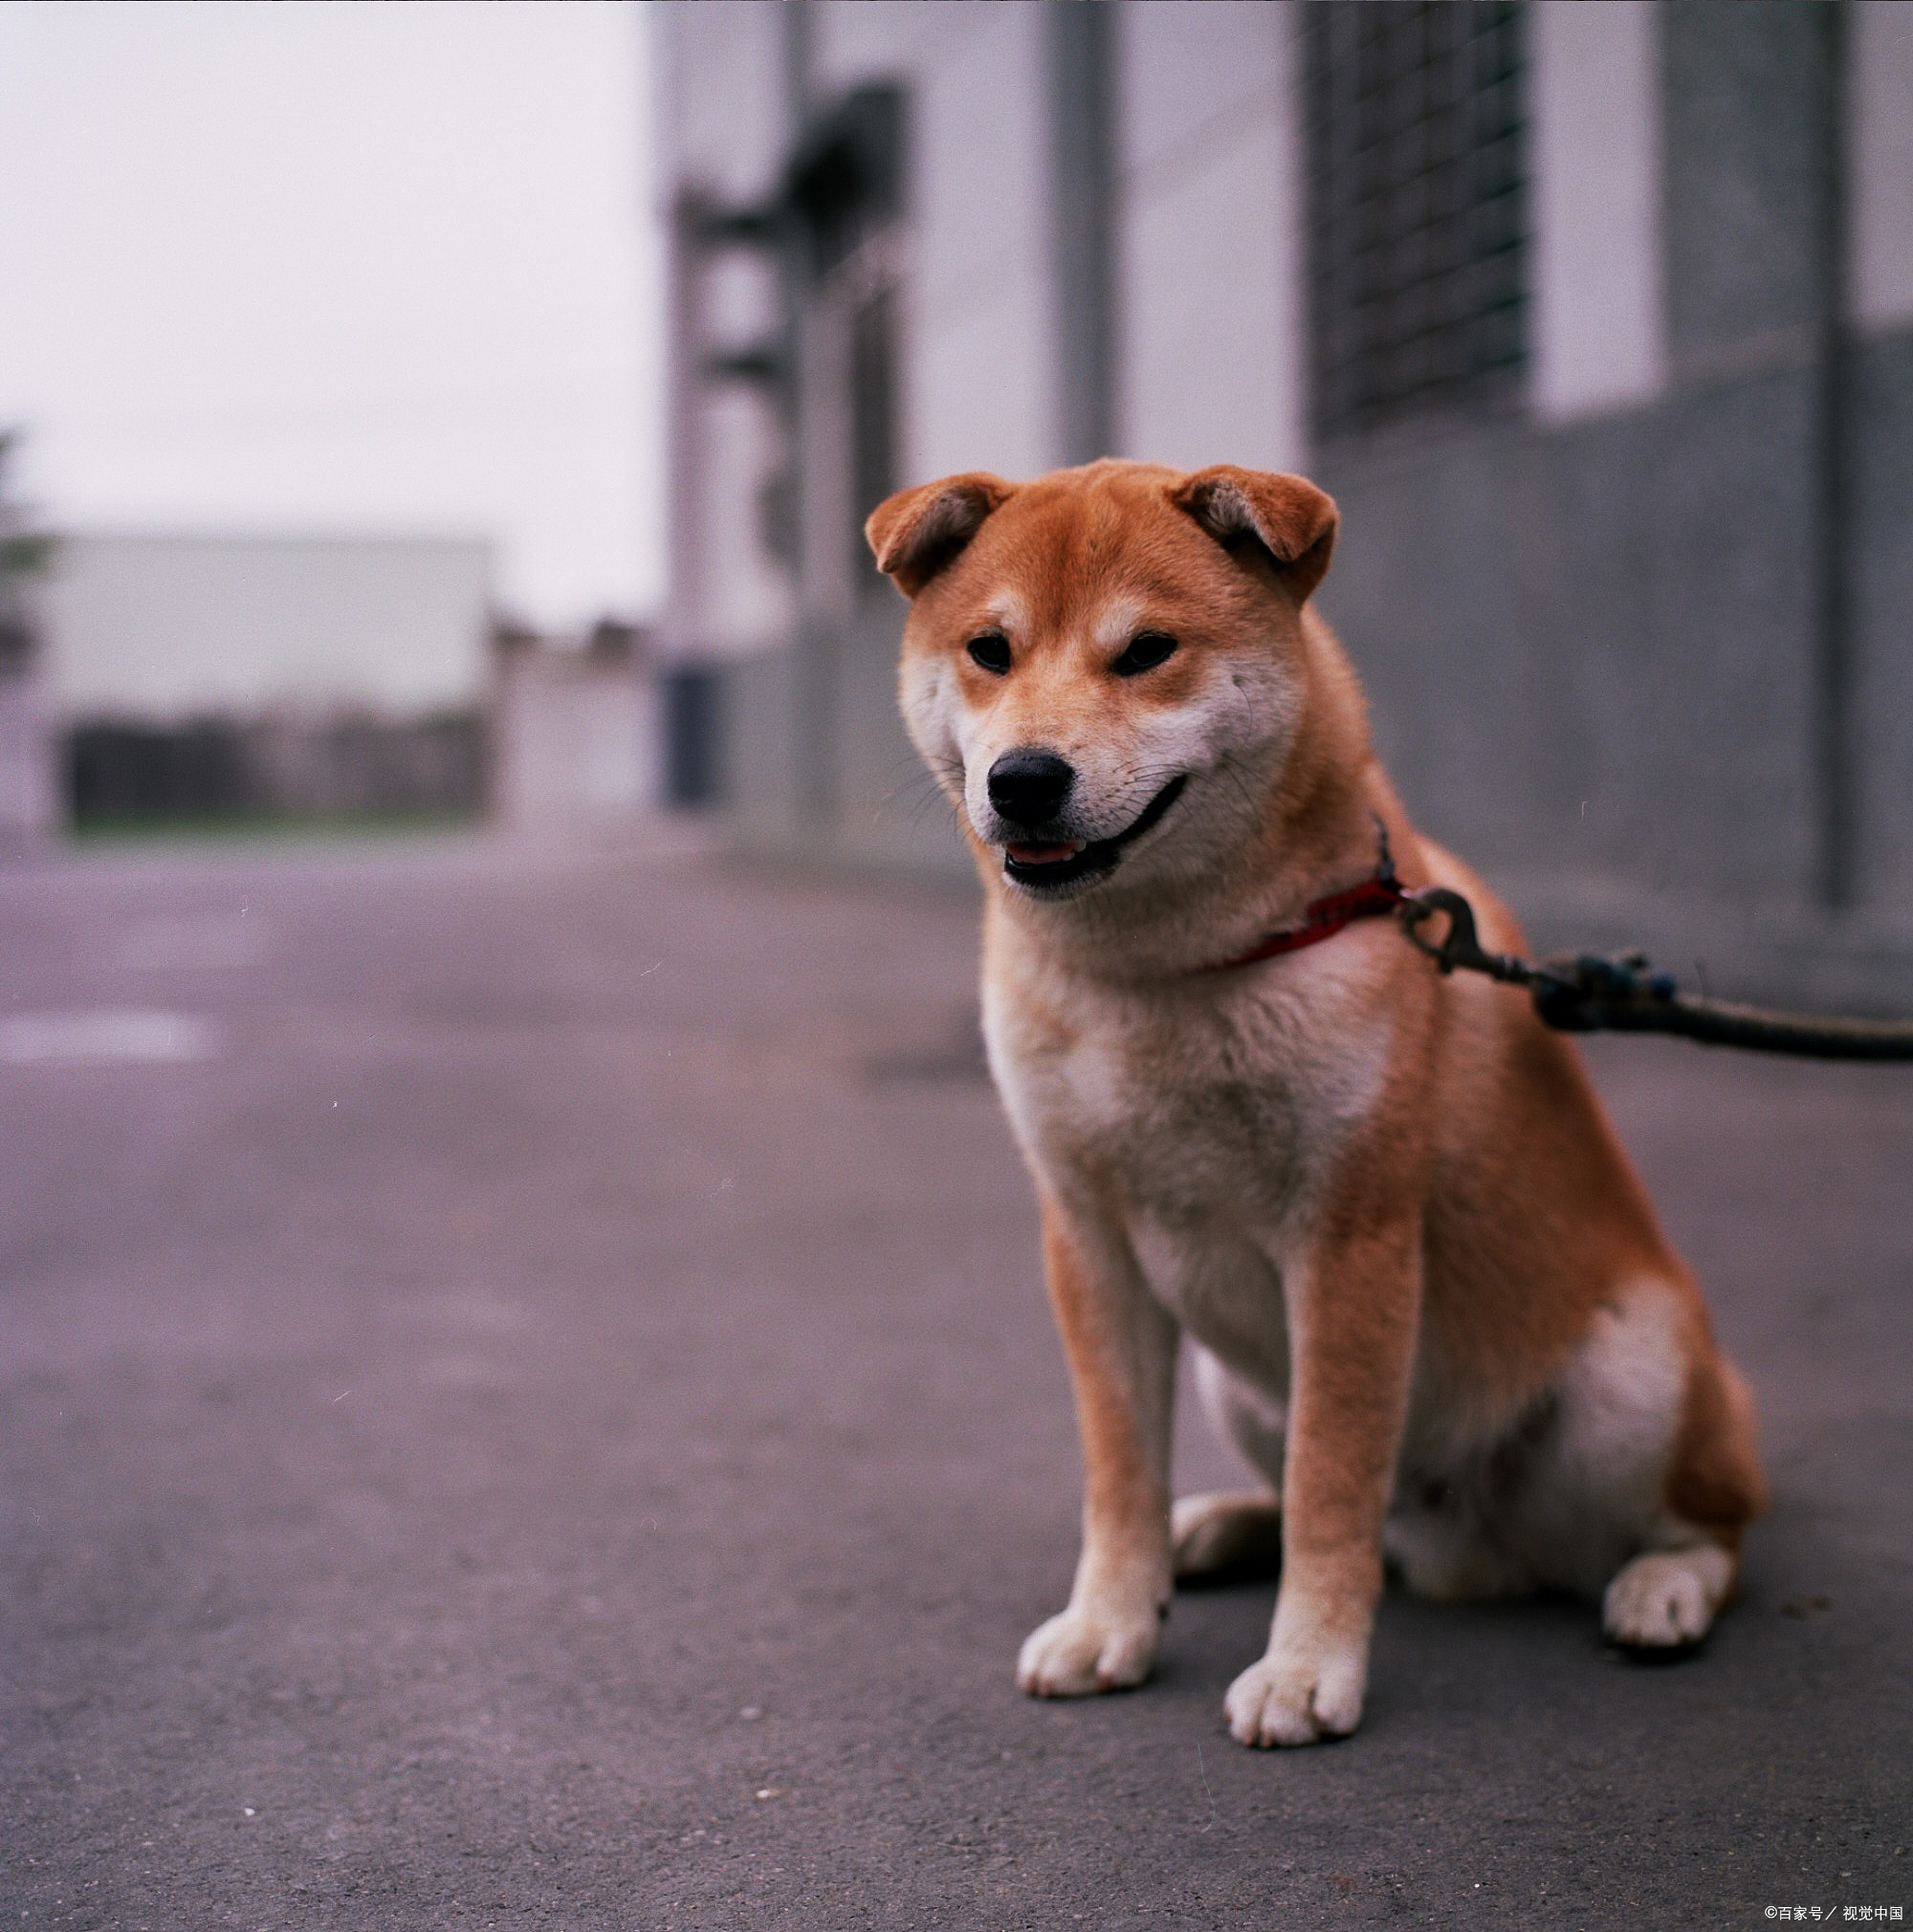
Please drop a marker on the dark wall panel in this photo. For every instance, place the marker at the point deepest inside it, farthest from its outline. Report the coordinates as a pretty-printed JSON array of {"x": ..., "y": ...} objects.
[
  {"x": 1879, "y": 611},
  {"x": 1747, "y": 89},
  {"x": 1583, "y": 648}
]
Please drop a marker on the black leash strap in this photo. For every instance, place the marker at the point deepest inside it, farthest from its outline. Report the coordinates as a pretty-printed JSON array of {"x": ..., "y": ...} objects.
[{"x": 1589, "y": 994}]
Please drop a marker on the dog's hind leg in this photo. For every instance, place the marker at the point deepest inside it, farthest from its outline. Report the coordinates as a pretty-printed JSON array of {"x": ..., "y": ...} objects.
[
  {"x": 1666, "y": 1599},
  {"x": 1669, "y": 1595},
  {"x": 1227, "y": 1532},
  {"x": 1233, "y": 1533},
  {"x": 1444, "y": 1557},
  {"x": 1638, "y": 1490}
]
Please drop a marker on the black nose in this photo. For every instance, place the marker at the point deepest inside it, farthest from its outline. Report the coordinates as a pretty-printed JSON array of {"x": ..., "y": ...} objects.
[{"x": 1029, "y": 787}]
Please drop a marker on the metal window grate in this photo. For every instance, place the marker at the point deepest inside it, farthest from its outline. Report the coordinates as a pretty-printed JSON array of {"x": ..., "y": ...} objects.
[{"x": 1417, "y": 208}]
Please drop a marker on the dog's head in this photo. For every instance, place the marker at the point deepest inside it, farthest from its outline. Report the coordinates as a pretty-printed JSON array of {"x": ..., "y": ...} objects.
[{"x": 1106, "y": 668}]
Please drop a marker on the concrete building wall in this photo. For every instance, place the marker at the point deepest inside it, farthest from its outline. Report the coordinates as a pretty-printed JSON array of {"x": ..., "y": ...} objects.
[
  {"x": 1879, "y": 492},
  {"x": 817, "y": 757},
  {"x": 1209, "y": 302},
  {"x": 1600, "y": 335},
  {"x": 1636, "y": 642},
  {"x": 1648, "y": 665},
  {"x": 160, "y": 627},
  {"x": 721, "y": 97},
  {"x": 1880, "y": 160},
  {"x": 978, "y": 385},
  {"x": 977, "y": 390},
  {"x": 724, "y": 111}
]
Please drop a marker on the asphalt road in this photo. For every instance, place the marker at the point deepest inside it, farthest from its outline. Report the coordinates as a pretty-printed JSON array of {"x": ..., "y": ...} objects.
[{"x": 528, "y": 1402}]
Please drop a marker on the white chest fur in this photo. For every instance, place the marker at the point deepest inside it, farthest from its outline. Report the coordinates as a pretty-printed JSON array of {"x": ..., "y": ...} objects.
[{"x": 1197, "y": 1125}]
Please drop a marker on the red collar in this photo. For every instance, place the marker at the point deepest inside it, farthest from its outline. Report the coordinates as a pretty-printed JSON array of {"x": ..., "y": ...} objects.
[{"x": 1323, "y": 918}]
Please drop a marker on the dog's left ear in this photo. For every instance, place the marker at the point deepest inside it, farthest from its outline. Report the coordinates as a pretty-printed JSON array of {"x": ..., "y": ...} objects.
[
  {"x": 916, "y": 532},
  {"x": 1291, "y": 519}
]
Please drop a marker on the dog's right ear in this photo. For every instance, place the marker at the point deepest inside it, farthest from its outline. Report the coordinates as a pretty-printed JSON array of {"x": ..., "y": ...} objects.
[{"x": 916, "y": 533}]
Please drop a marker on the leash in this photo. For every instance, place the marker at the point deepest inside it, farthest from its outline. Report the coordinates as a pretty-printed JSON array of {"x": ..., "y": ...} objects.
[
  {"x": 1588, "y": 993},
  {"x": 1585, "y": 991}
]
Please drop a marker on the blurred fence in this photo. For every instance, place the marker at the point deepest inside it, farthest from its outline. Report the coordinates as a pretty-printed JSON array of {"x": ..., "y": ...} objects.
[{"x": 221, "y": 767}]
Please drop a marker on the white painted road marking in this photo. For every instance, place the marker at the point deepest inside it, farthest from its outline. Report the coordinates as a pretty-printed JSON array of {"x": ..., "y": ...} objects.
[{"x": 108, "y": 1036}]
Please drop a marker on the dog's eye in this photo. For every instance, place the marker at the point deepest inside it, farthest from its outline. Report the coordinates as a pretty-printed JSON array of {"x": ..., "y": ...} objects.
[
  {"x": 1147, "y": 649},
  {"x": 991, "y": 650}
]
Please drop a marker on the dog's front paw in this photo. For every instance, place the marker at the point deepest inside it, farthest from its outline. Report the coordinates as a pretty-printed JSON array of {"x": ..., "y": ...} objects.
[
  {"x": 1081, "y": 1650},
  {"x": 1298, "y": 1698}
]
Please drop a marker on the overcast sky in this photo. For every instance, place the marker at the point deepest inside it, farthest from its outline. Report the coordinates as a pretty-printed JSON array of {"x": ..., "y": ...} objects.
[{"x": 341, "y": 267}]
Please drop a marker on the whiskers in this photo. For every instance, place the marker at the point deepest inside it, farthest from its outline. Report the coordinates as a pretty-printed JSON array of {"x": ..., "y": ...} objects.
[
  {"x": 1230, "y": 767},
  {"x": 922, "y": 785},
  {"x": 1144, "y": 782}
]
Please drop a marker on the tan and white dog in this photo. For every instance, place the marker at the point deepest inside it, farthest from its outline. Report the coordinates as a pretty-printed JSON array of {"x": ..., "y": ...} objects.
[{"x": 1429, "y": 1299}]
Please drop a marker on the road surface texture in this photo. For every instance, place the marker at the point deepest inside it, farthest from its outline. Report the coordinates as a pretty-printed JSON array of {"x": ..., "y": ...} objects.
[{"x": 529, "y": 1403}]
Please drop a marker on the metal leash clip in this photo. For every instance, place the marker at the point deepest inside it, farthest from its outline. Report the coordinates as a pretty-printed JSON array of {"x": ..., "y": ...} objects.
[{"x": 1459, "y": 947}]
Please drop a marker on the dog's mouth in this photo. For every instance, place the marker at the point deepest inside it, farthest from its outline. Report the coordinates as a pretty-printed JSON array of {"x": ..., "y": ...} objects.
[{"x": 1050, "y": 868}]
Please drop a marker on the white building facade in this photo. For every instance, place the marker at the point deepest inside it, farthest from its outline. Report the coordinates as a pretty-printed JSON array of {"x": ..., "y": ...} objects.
[{"x": 1598, "y": 321}]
